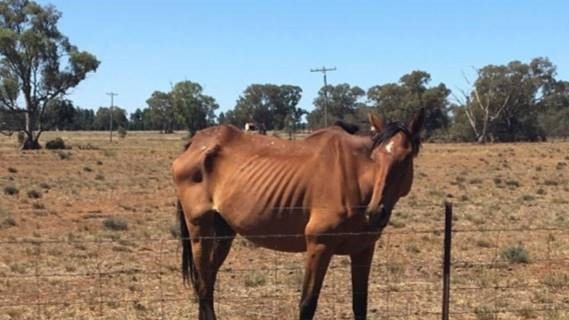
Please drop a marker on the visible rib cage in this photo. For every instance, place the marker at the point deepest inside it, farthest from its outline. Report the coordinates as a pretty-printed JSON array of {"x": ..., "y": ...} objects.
[{"x": 272, "y": 184}]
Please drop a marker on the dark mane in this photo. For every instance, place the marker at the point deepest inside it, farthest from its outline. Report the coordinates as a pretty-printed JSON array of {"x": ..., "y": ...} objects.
[
  {"x": 391, "y": 129},
  {"x": 348, "y": 127}
]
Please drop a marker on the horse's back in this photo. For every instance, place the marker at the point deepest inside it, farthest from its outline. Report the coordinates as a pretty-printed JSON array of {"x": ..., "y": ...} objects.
[{"x": 262, "y": 185}]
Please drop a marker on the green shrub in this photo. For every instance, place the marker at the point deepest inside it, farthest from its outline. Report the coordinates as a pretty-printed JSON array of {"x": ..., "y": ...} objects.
[{"x": 55, "y": 144}]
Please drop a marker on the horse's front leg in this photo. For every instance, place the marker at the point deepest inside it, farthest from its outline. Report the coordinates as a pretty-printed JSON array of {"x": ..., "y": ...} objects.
[
  {"x": 361, "y": 265},
  {"x": 202, "y": 246},
  {"x": 318, "y": 256}
]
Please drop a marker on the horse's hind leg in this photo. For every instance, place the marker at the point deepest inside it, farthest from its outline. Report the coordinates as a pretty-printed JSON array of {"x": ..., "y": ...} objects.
[{"x": 211, "y": 241}]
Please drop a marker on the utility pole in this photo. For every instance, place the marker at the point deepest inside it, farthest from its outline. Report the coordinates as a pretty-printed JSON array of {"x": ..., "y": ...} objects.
[
  {"x": 112, "y": 94},
  {"x": 324, "y": 70}
]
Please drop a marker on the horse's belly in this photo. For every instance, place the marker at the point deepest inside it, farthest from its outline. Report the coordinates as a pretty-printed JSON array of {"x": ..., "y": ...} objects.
[
  {"x": 272, "y": 214},
  {"x": 281, "y": 230},
  {"x": 286, "y": 243}
]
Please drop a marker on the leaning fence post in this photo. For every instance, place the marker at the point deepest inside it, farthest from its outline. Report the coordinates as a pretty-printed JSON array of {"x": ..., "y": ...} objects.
[{"x": 446, "y": 260}]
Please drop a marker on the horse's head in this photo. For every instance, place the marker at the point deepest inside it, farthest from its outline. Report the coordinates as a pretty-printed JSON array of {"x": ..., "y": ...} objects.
[{"x": 394, "y": 147}]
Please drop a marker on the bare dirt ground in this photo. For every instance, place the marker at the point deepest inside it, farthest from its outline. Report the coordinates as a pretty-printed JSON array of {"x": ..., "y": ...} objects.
[{"x": 90, "y": 233}]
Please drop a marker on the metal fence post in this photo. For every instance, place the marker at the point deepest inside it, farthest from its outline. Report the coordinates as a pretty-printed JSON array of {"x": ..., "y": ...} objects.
[{"x": 446, "y": 261}]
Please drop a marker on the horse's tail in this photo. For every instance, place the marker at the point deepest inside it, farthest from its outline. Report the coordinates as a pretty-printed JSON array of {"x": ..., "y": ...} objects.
[{"x": 189, "y": 272}]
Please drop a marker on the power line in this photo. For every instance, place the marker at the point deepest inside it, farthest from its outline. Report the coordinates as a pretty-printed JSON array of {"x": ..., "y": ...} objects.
[
  {"x": 112, "y": 94},
  {"x": 324, "y": 70}
]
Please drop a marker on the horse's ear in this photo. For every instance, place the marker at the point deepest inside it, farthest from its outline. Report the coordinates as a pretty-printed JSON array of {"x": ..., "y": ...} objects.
[
  {"x": 377, "y": 123},
  {"x": 416, "y": 124}
]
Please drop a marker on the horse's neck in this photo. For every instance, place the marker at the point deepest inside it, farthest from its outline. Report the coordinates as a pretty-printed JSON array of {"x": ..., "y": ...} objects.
[{"x": 366, "y": 178}]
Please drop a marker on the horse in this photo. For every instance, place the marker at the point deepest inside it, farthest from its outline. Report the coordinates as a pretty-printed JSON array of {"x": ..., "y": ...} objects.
[{"x": 329, "y": 194}]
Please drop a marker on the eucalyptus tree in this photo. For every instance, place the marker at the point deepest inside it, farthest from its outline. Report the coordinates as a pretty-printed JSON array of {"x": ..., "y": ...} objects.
[{"x": 38, "y": 64}]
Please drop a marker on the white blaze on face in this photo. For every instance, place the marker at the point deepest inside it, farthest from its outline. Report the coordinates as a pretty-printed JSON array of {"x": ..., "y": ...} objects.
[{"x": 389, "y": 147}]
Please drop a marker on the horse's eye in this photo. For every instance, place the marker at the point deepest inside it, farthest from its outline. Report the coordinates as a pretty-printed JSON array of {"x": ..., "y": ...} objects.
[{"x": 197, "y": 176}]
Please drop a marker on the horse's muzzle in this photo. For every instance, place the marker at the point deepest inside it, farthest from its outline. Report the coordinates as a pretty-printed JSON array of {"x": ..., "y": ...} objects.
[{"x": 379, "y": 218}]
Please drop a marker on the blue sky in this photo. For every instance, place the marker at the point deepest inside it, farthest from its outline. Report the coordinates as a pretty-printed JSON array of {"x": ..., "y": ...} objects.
[{"x": 226, "y": 45}]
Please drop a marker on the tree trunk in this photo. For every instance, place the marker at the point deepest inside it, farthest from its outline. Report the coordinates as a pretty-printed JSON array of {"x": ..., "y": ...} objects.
[
  {"x": 31, "y": 143},
  {"x": 31, "y": 140}
]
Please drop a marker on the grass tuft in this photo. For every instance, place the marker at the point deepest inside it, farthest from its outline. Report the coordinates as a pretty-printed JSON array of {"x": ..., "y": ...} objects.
[
  {"x": 34, "y": 194},
  {"x": 516, "y": 254},
  {"x": 115, "y": 224},
  {"x": 63, "y": 155},
  {"x": 11, "y": 190},
  {"x": 255, "y": 279},
  {"x": 483, "y": 313},
  {"x": 513, "y": 183},
  {"x": 6, "y": 219}
]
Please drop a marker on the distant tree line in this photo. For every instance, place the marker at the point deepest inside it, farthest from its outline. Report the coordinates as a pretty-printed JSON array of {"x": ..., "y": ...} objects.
[{"x": 513, "y": 102}]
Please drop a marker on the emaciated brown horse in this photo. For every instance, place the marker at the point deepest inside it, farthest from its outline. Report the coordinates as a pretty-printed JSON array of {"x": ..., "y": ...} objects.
[{"x": 331, "y": 193}]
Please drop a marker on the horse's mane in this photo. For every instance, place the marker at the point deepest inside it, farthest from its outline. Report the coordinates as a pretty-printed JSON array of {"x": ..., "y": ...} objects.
[
  {"x": 348, "y": 127},
  {"x": 391, "y": 129}
]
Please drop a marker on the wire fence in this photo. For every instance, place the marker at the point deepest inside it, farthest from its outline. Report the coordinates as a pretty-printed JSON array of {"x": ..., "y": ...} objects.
[{"x": 496, "y": 273}]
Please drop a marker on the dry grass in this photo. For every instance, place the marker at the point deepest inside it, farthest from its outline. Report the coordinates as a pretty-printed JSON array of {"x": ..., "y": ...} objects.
[{"x": 135, "y": 269}]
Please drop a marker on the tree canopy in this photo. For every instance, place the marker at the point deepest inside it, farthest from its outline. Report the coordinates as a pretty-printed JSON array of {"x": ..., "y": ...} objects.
[
  {"x": 399, "y": 101},
  {"x": 161, "y": 108},
  {"x": 269, "y": 105},
  {"x": 506, "y": 102},
  {"x": 194, "y": 108},
  {"x": 338, "y": 101}
]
